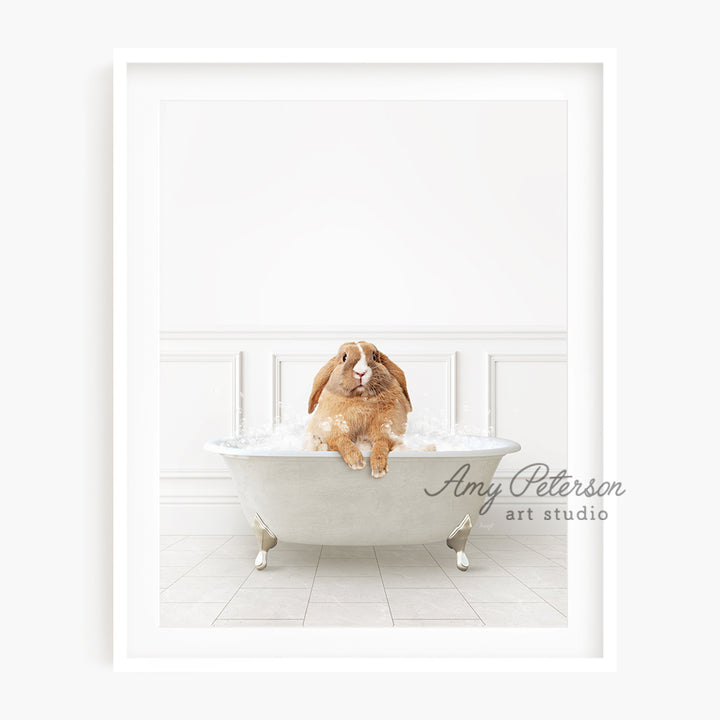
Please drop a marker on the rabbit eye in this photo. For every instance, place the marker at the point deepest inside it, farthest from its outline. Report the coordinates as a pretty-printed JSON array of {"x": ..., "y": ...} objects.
[
  {"x": 374, "y": 356},
  {"x": 344, "y": 357}
]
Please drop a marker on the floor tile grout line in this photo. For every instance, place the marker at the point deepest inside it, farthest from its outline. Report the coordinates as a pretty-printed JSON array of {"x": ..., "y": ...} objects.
[
  {"x": 564, "y": 614},
  {"x": 312, "y": 586},
  {"x": 512, "y": 574},
  {"x": 207, "y": 552},
  {"x": 554, "y": 587},
  {"x": 455, "y": 587},
  {"x": 537, "y": 551},
  {"x": 192, "y": 567},
  {"x": 382, "y": 582},
  {"x": 210, "y": 552},
  {"x": 523, "y": 542},
  {"x": 467, "y": 602},
  {"x": 539, "y": 601},
  {"x": 508, "y": 570},
  {"x": 509, "y": 602},
  {"x": 185, "y": 537},
  {"x": 182, "y": 537},
  {"x": 232, "y": 597},
  {"x": 526, "y": 551},
  {"x": 222, "y": 545},
  {"x": 514, "y": 538},
  {"x": 520, "y": 580},
  {"x": 348, "y": 602},
  {"x": 239, "y": 587},
  {"x": 193, "y": 602}
]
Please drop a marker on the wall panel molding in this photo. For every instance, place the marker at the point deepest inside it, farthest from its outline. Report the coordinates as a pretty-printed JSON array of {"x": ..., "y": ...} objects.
[
  {"x": 277, "y": 371},
  {"x": 234, "y": 363},
  {"x": 494, "y": 360},
  {"x": 400, "y": 333},
  {"x": 234, "y": 359},
  {"x": 448, "y": 363}
]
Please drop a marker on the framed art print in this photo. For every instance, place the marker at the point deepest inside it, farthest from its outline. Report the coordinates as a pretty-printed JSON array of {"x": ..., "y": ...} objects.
[{"x": 364, "y": 359}]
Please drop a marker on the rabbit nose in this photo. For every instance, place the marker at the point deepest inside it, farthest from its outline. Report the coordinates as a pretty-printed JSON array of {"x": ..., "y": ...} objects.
[{"x": 359, "y": 374}]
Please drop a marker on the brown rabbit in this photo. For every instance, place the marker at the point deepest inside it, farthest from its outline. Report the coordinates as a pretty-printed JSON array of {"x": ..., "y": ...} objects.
[{"x": 360, "y": 396}]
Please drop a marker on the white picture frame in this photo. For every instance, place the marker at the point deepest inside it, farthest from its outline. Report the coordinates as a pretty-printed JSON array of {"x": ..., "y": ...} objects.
[{"x": 589, "y": 641}]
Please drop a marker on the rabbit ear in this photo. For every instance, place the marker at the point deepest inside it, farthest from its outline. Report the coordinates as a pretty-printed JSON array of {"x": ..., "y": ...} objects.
[
  {"x": 321, "y": 380},
  {"x": 396, "y": 372}
]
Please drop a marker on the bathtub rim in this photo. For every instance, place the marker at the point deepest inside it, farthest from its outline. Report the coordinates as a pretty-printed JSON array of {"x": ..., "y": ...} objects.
[{"x": 507, "y": 447}]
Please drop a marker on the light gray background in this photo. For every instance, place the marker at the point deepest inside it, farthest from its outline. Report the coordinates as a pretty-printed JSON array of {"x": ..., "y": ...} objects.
[{"x": 56, "y": 365}]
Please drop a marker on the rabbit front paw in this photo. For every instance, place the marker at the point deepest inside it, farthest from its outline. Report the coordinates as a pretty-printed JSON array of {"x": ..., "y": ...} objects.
[
  {"x": 378, "y": 464},
  {"x": 354, "y": 458},
  {"x": 379, "y": 458}
]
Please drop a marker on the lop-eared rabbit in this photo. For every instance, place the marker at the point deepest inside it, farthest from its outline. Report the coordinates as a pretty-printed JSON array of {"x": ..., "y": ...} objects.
[{"x": 359, "y": 397}]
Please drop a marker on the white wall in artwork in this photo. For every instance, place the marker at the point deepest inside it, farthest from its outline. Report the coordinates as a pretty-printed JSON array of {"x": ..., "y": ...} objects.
[{"x": 281, "y": 206}]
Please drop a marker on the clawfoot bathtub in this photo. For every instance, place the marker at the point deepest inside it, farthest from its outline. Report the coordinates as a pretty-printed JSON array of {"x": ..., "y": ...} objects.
[{"x": 314, "y": 497}]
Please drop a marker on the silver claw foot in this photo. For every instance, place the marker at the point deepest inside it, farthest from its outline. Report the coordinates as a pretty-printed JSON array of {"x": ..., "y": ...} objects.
[
  {"x": 266, "y": 541},
  {"x": 456, "y": 541}
]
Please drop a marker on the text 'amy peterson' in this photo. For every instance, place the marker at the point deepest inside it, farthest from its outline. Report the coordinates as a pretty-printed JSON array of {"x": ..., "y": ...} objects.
[{"x": 532, "y": 479}]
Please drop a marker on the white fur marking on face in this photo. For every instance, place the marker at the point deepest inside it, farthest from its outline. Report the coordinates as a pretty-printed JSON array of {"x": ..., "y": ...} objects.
[{"x": 361, "y": 367}]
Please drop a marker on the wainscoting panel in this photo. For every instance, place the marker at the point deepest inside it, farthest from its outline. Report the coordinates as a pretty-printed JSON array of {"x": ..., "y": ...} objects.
[
  {"x": 527, "y": 397},
  {"x": 200, "y": 398},
  {"x": 292, "y": 379},
  {"x": 505, "y": 382}
]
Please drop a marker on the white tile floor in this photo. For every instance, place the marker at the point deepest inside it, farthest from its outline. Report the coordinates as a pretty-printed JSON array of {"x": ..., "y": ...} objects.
[{"x": 513, "y": 581}]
